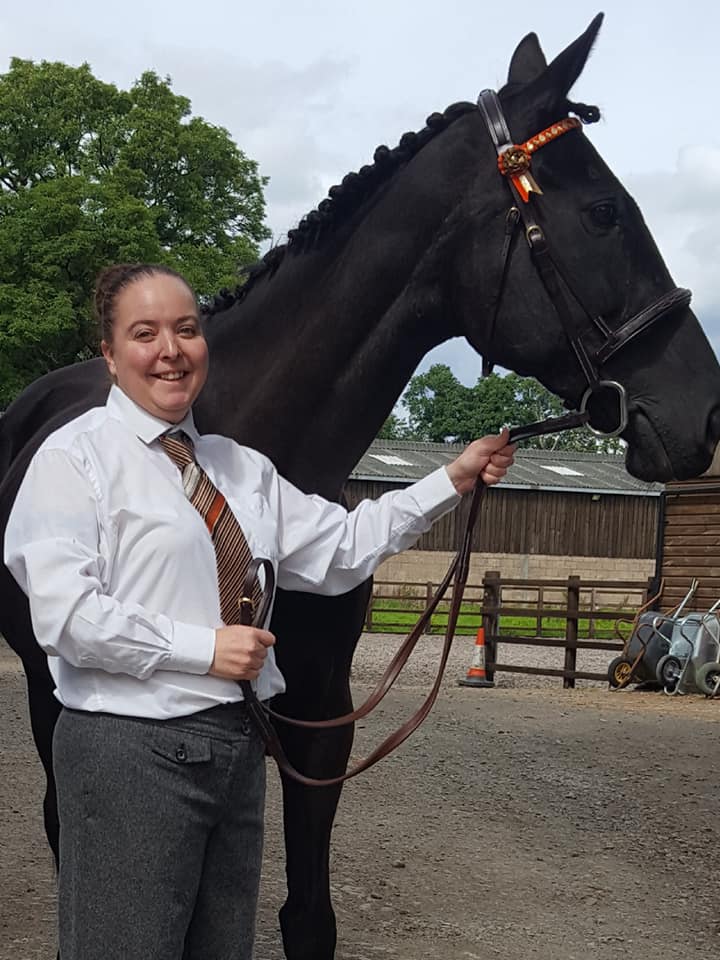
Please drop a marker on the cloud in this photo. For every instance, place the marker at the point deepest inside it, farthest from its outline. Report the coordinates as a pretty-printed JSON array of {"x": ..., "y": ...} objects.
[
  {"x": 681, "y": 207},
  {"x": 289, "y": 116},
  {"x": 309, "y": 89},
  {"x": 277, "y": 113},
  {"x": 457, "y": 354}
]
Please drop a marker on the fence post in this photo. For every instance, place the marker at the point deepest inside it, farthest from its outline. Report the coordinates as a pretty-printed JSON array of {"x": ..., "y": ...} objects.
[
  {"x": 540, "y": 605},
  {"x": 571, "y": 629},
  {"x": 491, "y": 618},
  {"x": 428, "y": 600}
]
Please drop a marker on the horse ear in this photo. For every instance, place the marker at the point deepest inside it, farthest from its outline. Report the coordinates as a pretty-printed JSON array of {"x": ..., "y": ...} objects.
[
  {"x": 528, "y": 61},
  {"x": 568, "y": 65}
]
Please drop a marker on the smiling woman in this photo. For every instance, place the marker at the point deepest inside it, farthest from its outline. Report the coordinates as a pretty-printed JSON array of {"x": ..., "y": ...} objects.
[
  {"x": 151, "y": 337},
  {"x": 131, "y": 535}
]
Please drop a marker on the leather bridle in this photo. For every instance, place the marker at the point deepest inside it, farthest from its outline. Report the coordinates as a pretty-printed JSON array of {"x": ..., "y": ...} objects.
[{"x": 514, "y": 164}]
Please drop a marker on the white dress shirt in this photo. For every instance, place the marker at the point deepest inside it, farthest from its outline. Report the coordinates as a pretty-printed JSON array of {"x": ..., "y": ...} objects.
[{"x": 120, "y": 569}]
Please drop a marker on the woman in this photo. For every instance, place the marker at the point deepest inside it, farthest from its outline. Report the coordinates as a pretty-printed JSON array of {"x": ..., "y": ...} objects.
[{"x": 160, "y": 774}]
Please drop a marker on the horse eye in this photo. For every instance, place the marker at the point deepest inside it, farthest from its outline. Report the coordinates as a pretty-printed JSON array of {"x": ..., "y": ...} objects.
[{"x": 604, "y": 214}]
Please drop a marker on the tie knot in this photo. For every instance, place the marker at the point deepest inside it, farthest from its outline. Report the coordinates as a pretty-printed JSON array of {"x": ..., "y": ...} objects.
[{"x": 179, "y": 447}]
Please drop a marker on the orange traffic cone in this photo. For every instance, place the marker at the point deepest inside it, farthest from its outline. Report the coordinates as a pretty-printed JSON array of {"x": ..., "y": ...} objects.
[{"x": 476, "y": 676}]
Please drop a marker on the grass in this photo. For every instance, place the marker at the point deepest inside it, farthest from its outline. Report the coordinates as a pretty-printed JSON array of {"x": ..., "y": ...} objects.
[{"x": 400, "y": 616}]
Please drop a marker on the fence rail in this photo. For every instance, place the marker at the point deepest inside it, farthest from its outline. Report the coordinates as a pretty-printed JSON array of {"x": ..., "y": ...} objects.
[{"x": 585, "y": 607}]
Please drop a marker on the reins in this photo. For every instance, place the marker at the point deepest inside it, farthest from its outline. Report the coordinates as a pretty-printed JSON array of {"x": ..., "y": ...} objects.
[
  {"x": 514, "y": 161},
  {"x": 261, "y": 714},
  {"x": 458, "y": 571}
]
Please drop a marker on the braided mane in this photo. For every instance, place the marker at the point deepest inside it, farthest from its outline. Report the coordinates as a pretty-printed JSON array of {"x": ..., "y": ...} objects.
[{"x": 341, "y": 202}]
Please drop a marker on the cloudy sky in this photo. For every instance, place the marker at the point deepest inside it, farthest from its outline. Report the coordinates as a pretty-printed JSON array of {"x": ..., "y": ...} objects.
[{"x": 310, "y": 87}]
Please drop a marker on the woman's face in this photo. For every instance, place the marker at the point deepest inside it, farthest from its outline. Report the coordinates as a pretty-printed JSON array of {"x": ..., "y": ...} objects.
[{"x": 158, "y": 355}]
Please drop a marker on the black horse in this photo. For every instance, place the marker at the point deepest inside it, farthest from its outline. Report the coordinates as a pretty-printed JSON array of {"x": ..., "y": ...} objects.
[{"x": 309, "y": 356}]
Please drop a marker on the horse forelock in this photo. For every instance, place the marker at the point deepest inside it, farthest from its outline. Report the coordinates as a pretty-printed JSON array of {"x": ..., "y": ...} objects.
[{"x": 342, "y": 201}]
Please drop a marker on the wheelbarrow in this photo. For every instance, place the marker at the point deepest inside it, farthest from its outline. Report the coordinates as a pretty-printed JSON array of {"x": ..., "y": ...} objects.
[
  {"x": 694, "y": 646},
  {"x": 647, "y": 642}
]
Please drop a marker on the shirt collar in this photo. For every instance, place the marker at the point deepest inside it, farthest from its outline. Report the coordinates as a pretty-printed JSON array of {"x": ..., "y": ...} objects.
[{"x": 147, "y": 427}]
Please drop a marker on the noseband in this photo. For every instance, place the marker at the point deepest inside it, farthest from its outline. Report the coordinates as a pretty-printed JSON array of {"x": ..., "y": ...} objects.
[{"x": 514, "y": 164}]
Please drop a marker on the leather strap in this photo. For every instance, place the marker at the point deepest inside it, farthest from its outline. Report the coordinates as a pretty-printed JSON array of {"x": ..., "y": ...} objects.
[
  {"x": 512, "y": 219},
  {"x": 458, "y": 570},
  {"x": 489, "y": 104},
  {"x": 680, "y": 297},
  {"x": 261, "y": 714},
  {"x": 491, "y": 109},
  {"x": 551, "y": 281}
]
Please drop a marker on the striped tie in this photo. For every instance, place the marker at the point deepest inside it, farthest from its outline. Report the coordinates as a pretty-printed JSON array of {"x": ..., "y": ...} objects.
[{"x": 232, "y": 552}]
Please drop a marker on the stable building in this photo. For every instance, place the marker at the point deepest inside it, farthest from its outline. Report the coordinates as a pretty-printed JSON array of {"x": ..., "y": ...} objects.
[{"x": 556, "y": 514}]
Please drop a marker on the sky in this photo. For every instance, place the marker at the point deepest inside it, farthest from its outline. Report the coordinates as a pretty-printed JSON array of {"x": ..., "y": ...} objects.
[{"x": 309, "y": 89}]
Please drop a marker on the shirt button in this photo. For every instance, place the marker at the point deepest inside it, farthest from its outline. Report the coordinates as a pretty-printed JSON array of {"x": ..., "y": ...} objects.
[{"x": 181, "y": 754}]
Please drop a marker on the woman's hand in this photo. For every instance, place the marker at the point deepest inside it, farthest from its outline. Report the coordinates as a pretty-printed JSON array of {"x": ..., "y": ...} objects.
[
  {"x": 240, "y": 652},
  {"x": 488, "y": 458}
]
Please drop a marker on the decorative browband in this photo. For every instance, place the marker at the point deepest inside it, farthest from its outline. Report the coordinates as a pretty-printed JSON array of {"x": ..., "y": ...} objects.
[{"x": 514, "y": 161}]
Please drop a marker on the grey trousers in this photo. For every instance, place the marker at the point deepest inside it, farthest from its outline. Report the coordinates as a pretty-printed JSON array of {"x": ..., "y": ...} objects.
[{"x": 161, "y": 827}]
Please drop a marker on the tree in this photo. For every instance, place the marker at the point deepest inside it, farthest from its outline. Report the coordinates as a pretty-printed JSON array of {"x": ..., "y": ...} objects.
[
  {"x": 90, "y": 175},
  {"x": 440, "y": 408},
  {"x": 393, "y": 429}
]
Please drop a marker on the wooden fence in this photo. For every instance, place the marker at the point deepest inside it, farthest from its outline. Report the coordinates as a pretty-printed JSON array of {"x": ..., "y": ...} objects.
[{"x": 591, "y": 603}]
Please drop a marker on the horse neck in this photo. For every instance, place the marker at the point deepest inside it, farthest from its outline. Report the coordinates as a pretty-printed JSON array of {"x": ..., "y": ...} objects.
[
  {"x": 310, "y": 363},
  {"x": 315, "y": 377}
]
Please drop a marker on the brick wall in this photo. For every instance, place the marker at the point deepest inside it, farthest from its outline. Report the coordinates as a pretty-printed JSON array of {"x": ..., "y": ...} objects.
[{"x": 422, "y": 565}]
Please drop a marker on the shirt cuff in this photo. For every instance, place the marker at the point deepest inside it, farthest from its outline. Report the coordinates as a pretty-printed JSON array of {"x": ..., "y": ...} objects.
[
  {"x": 435, "y": 494},
  {"x": 193, "y": 649}
]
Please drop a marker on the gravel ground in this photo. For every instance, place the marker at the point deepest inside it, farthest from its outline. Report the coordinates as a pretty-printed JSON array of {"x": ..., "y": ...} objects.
[
  {"x": 374, "y": 648},
  {"x": 522, "y": 822}
]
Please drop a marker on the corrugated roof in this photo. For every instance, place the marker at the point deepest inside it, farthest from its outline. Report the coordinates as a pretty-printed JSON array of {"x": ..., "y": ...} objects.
[{"x": 400, "y": 461}]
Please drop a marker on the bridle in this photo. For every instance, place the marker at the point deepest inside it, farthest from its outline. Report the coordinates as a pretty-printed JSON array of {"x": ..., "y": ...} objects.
[{"x": 514, "y": 164}]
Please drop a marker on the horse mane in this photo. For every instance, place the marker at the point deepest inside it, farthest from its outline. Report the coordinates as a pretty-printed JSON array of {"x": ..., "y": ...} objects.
[
  {"x": 341, "y": 202},
  {"x": 344, "y": 199}
]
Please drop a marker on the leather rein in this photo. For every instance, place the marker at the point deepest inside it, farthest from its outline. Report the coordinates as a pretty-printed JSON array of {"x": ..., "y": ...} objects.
[{"x": 514, "y": 165}]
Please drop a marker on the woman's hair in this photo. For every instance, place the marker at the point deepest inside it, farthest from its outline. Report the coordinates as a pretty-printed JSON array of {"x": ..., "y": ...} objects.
[{"x": 112, "y": 280}]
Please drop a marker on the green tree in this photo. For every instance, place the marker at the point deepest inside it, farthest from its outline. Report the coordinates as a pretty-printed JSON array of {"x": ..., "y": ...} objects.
[
  {"x": 440, "y": 409},
  {"x": 90, "y": 175},
  {"x": 439, "y": 406},
  {"x": 393, "y": 429},
  {"x": 534, "y": 402}
]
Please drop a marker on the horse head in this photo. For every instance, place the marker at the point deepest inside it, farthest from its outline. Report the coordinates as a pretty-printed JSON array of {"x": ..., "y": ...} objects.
[
  {"x": 433, "y": 241},
  {"x": 605, "y": 268}
]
